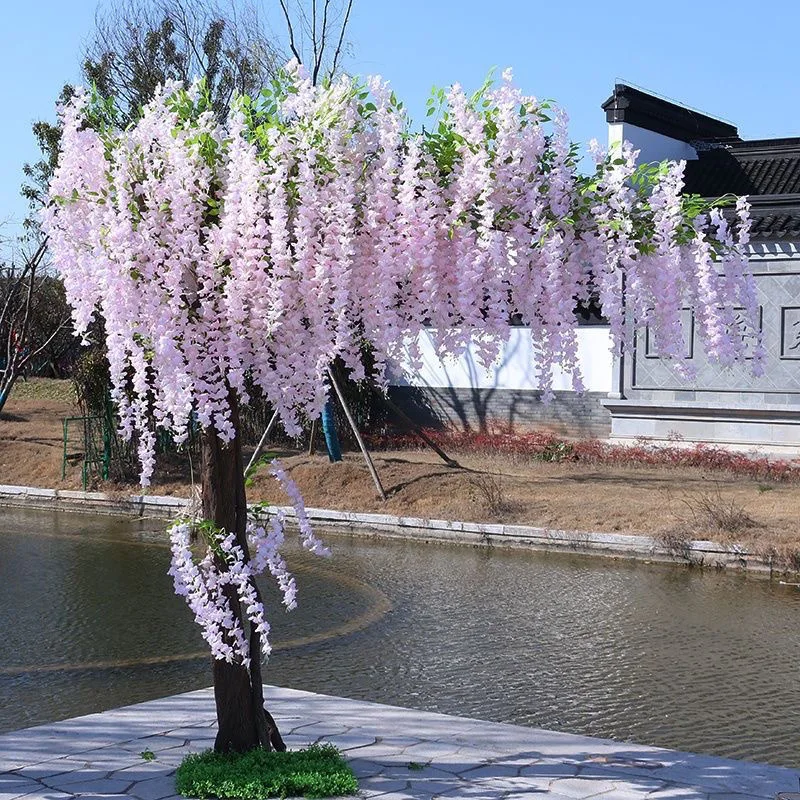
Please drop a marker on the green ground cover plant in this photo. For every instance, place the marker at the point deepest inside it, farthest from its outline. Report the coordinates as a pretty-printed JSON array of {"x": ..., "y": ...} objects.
[{"x": 317, "y": 771}]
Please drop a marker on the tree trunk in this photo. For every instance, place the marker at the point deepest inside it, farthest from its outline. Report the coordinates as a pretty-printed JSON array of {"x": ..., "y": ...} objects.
[
  {"x": 243, "y": 723},
  {"x": 5, "y": 390}
]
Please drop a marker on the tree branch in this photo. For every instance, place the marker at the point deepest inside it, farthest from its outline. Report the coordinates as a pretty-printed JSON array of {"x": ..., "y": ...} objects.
[
  {"x": 337, "y": 54},
  {"x": 320, "y": 54},
  {"x": 314, "y": 42},
  {"x": 21, "y": 365},
  {"x": 13, "y": 286},
  {"x": 292, "y": 45}
]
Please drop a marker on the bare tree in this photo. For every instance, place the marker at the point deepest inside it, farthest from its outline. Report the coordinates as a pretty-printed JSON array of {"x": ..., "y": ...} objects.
[
  {"x": 316, "y": 31},
  {"x": 31, "y": 318},
  {"x": 140, "y": 44}
]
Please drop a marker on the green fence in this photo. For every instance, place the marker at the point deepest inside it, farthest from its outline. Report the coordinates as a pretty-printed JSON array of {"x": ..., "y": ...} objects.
[
  {"x": 87, "y": 440},
  {"x": 94, "y": 443}
]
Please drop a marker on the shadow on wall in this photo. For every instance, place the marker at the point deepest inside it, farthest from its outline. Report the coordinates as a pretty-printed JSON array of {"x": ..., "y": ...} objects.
[
  {"x": 486, "y": 410},
  {"x": 420, "y": 405},
  {"x": 453, "y": 405},
  {"x": 462, "y": 394}
]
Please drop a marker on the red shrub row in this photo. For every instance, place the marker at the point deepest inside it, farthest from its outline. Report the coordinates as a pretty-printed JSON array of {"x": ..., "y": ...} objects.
[{"x": 546, "y": 446}]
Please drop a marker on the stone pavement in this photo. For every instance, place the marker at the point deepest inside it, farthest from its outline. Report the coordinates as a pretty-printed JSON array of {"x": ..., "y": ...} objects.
[{"x": 397, "y": 753}]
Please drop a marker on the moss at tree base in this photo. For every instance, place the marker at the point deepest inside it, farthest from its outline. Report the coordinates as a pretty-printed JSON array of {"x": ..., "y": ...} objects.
[{"x": 318, "y": 771}]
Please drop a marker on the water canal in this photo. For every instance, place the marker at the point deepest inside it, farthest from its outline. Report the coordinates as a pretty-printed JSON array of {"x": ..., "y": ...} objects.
[{"x": 660, "y": 655}]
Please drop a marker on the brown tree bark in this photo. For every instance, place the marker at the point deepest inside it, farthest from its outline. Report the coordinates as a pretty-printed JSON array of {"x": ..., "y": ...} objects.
[{"x": 242, "y": 721}]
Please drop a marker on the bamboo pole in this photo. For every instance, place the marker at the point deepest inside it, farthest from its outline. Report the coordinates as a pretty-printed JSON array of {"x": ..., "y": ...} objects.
[{"x": 312, "y": 437}]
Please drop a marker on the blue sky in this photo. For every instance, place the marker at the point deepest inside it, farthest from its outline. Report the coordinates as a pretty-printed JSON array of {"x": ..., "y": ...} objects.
[{"x": 725, "y": 59}]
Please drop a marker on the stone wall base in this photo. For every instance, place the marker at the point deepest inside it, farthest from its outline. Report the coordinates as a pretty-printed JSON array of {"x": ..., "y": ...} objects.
[
  {"x": 567, "y": 414},
  {"x": 770, "y": 428}
]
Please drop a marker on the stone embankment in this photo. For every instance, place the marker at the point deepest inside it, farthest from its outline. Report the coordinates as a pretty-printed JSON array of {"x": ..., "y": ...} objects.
[{"x": 700, "y": 552}]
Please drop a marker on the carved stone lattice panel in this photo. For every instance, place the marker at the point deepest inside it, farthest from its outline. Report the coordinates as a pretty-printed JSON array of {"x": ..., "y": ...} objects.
[
  {"x": 647, "y": 375},
  {"x": 790, "y": 332},
  {"x": 747, "y": 332},
  {"x": 687, "y": 325}
]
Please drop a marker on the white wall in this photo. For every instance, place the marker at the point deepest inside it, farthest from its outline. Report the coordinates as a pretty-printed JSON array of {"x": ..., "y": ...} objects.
[
  {"x": 652, "y": 146},
  {"x": 516, "y": 368}
]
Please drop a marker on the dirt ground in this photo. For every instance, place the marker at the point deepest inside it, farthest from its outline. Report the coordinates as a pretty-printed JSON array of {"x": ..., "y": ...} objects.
[
  {"x": 671, "y": 502},
  {"x": 31, "y": 434}
]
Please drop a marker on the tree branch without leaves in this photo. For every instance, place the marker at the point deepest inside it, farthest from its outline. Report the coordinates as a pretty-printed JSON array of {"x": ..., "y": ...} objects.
[
  {"x": 318, "y": 29},
  {"x": 34, "y": 317},
  {"x": 290, "y": 28}
]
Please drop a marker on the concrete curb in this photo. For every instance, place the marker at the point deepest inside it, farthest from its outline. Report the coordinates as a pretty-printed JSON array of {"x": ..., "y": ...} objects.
[
  {"x": 96, "y": 502},
  {"x": 698, "y": 552},
  {"x": 615, "y": 545}
]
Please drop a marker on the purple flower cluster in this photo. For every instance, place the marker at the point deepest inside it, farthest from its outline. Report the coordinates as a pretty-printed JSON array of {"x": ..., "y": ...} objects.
[
  {"x": 225, "y": 564},
  {"x": 316, "y": 222},
  {"x": 264, "y": 248}
]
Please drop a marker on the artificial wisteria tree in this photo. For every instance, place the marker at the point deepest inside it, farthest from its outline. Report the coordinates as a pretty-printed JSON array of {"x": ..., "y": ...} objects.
[{"x": 315, "y": 223}]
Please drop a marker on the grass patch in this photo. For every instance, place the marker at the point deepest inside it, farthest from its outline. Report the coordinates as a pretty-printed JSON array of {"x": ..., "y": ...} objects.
[
  {"x": 318, "y": 771},
  {"x": 44, "y": 389}
]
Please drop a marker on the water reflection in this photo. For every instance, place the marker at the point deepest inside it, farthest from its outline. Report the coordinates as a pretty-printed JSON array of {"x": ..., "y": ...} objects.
[{"x": 705, "y": 662}]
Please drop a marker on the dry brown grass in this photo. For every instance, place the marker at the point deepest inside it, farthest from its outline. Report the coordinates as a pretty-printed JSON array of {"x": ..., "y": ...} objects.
[
  {"x": 711, "y": 511},
  {"x": 685, "y": 503}
]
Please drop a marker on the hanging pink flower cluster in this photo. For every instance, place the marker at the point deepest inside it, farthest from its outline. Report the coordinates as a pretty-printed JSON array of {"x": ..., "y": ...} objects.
[
  {"x": 203, "y": 586},
  {"x": 225, "y": 564},
  {"x": 314, "y": 222}
]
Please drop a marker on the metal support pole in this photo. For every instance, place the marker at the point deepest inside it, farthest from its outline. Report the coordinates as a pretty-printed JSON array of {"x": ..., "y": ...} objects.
[
  {"x": 414, "y": 428},
  {"x": 108, "y": 424},
  {"x": 312, "y": 438},
  {"x": 362, "y": 446},
  {"x": 262, "y": 442},
  {"x": 64, "y": 458}
]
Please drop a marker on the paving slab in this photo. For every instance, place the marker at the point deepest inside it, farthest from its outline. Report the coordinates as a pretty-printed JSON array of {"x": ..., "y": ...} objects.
[{"x": 397, "y": 753}]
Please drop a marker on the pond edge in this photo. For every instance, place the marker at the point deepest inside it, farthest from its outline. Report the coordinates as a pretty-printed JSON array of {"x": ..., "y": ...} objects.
[{"x": 699, "y": 552}]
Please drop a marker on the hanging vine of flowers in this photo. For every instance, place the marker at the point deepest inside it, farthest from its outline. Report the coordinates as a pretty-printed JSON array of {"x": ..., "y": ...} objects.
[{"x": 315, "y": 221}]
